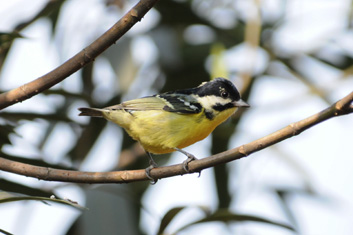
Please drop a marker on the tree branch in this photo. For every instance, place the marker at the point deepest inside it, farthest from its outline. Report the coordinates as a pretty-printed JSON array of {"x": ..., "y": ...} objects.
[
  {"x": 342, "y": 107},
  {"x": 82, "y": 58}
]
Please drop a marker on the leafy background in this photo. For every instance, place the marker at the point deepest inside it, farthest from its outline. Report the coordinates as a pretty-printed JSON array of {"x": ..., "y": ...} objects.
[{"x": 290, "y": 59}]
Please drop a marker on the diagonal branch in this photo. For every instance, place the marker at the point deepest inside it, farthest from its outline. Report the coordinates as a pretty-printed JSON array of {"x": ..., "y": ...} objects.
[
  {"x": 82, "y": 58},
  {"x": 342, "y": 107}
]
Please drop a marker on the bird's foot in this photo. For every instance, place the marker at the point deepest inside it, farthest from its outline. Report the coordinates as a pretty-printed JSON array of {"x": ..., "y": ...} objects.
[
  {"x": 152, "y": 165},
  {"x": 189, "y": 159}
]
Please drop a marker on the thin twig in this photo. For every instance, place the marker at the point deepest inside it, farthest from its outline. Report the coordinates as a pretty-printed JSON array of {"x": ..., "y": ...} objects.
[
  {"x": 82, "y": 58},
  {"x": 342, "y": 107}
]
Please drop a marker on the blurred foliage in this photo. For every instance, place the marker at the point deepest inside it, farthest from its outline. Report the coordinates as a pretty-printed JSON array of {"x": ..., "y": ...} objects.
[
  {"x": 6, "y": 197},
  {"x": 5, "y": 131},
  {"x": 222, "y": 215},
  {"x": 190, "y": 39},
  {"x": 226, "y": 216},
  {"x": 50, "y": 10},
  {"x": 6, "y": 39}
]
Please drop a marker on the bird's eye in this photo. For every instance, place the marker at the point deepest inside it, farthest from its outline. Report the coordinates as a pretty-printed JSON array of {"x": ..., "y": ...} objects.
[{"x": 224, "y": 94}]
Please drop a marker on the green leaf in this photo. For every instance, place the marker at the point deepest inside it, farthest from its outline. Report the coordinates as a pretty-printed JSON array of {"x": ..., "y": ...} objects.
[
  {"x": 7, "y": 197},
  {"x": 5, "y": 131},
  {"x": 170, "y": 215},
  {"x": 226, "y": 216}
]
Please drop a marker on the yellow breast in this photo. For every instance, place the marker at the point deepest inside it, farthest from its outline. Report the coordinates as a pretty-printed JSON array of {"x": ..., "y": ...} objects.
[{"x": 160, "y": 132}]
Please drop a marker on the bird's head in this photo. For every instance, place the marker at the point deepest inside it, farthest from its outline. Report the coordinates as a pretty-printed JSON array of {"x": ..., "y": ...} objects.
[{"x": 219, "y": 94}]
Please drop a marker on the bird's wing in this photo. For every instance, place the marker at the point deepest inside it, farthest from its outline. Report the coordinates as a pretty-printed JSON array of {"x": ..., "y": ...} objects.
[
  {"x": 168, "y": 102},
  {"x": 141, "y": 104},
  {"x": 180, "y": 103}
]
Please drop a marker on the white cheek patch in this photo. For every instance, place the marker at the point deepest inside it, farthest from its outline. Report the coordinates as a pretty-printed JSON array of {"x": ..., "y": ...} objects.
[{"x": 208, "y": 101}]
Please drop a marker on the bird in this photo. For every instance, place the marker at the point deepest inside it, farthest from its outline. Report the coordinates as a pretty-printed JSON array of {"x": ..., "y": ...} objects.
[{"x": 168, "y": 122}]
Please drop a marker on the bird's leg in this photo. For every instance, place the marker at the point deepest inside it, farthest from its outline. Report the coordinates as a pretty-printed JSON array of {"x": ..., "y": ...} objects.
[
  {"x": 152, "y": 165},
  {"x": 189, "y": 159}
]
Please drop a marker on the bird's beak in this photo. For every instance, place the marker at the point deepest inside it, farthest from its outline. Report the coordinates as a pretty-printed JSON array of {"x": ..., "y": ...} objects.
[{"x": 241, "y": 103}]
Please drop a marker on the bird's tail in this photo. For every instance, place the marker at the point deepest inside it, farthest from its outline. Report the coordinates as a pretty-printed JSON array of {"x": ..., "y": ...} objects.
[{"x": 92, "y": 112}]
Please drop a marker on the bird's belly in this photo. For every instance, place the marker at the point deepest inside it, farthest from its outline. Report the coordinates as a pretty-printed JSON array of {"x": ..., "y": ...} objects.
[{"x": 161, "y": 132}]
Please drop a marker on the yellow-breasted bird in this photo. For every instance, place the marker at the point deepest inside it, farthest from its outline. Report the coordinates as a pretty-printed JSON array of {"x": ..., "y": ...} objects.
[{"x": 168, "y": 122}]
